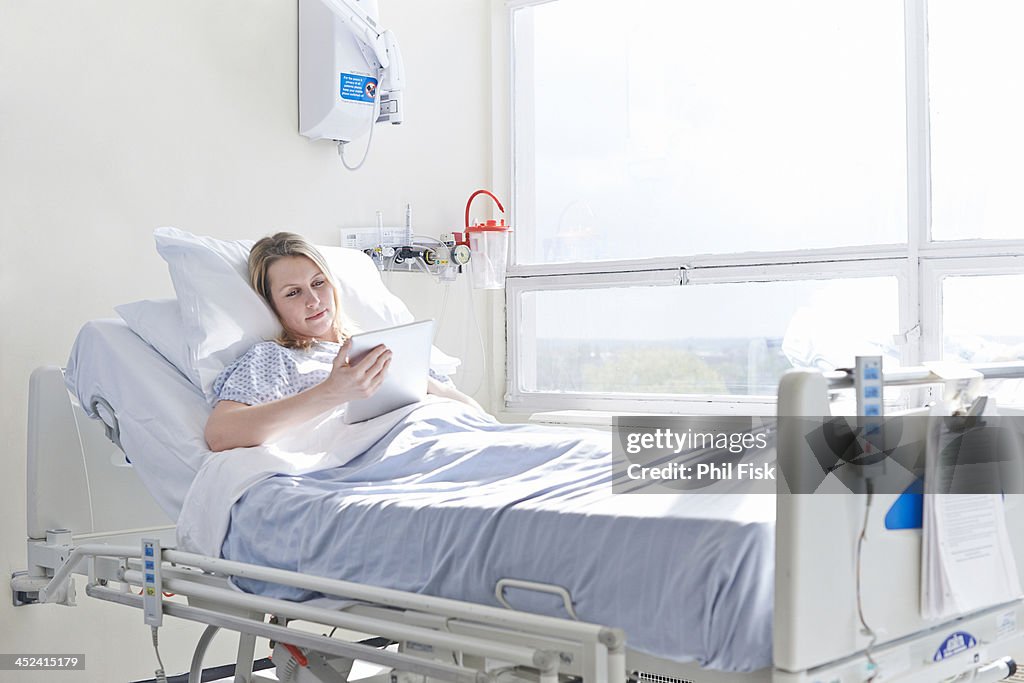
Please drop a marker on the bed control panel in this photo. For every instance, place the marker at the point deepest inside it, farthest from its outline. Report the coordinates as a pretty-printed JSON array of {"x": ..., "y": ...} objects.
[
  {"x": 870, "y": 414},
  {"x": 152, "y": 590}
]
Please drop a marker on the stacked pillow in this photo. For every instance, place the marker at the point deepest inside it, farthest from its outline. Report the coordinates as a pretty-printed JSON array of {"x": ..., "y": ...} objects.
[{"x": 217, "y": 316}]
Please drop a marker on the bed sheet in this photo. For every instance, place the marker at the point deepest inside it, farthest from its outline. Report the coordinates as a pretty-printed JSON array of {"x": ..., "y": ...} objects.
[{"x": 449, "y": 502}]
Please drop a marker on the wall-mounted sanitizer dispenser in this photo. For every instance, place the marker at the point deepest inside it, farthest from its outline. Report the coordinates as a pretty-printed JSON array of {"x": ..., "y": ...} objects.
[{"x": 338, "y": 73}]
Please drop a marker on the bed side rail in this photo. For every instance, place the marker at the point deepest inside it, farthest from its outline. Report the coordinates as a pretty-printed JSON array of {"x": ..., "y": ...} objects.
[{"x": 525, "y": 640}]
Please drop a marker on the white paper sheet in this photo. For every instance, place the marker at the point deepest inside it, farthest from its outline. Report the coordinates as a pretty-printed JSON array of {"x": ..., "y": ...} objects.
[{"x": 967, "y": 562}]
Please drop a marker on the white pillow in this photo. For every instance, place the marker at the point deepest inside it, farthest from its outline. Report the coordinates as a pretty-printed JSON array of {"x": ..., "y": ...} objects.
[
  {"x": 222, "y": 317},
  {"x": 158, "y": 323}
]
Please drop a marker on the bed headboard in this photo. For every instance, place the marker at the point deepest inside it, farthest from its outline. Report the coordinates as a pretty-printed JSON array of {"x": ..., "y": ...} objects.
[{"x": 73, "y": 479}]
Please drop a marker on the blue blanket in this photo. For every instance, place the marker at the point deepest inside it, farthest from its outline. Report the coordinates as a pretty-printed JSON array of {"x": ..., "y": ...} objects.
[{"x": 449, "y": 501}]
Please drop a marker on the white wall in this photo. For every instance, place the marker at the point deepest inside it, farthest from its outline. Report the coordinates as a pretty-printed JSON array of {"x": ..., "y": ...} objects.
[{"x": 122, "y": 115}]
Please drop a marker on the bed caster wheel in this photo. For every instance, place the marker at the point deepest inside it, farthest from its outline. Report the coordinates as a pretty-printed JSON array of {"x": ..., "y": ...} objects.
[{"x": 999, "y": 670}]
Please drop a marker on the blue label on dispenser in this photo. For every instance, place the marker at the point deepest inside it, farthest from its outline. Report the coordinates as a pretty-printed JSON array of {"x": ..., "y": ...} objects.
[
  {"x": 955, "y": 644},
  {"x": 356, "y": 88}
]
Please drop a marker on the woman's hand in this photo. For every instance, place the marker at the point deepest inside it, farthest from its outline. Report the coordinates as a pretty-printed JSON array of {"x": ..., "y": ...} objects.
[
  {"x": 447, "y": 391},
  {"x": 348, "y": 382},
  {"x": 235, "y": 425}
]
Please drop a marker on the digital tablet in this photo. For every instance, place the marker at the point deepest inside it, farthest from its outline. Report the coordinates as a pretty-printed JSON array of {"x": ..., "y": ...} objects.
[{"x": 406, "y": 379}]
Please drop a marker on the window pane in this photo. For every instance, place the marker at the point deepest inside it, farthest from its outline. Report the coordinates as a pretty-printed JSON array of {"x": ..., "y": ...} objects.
[
  {"x": 978, "y": 328},
  {"x": 977, "y": 105},
  {"x": 652, "y": 128},
  {"x": 717, "y": 339}
]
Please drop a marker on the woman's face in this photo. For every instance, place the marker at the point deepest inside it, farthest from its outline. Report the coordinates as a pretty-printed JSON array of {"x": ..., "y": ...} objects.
[{"x": 303, "y": 298}]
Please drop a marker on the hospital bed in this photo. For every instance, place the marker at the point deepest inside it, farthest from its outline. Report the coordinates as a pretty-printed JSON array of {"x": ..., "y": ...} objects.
[{"x": 89, "y": 513}]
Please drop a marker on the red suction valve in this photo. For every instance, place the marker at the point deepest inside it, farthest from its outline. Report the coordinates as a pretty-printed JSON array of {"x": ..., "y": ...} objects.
[{"x": 489, "y": 225}]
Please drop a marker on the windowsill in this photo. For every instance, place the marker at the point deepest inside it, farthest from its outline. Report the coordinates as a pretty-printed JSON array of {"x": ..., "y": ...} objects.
[
  {"x": 597, "y": 419},
  {"x": 601, "y": 414}
]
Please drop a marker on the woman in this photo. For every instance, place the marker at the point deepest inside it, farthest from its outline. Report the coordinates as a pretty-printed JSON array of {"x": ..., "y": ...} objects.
[{"x": 305, "y": 372}]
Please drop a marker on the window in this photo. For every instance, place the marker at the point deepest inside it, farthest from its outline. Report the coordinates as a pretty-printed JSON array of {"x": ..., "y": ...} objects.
[
  {"x": 707, "y": 193},
  {"x": 977, "y": 105},
  {"x": 724, "y": 338},
  {"x": 978, "y": 326},
  {"x": 707, "y": 125}
]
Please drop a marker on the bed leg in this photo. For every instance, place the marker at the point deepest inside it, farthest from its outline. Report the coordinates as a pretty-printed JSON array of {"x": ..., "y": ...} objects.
[
  {"x": 617, "y": 665},
  {"x": 246, "y": 652}
]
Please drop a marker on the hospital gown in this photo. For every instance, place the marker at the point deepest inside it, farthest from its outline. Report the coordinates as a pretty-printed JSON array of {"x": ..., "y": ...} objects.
[{"x": 268, "y": 372}]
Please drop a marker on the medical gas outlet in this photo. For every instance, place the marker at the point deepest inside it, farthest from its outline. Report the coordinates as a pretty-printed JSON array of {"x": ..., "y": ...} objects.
[{"x": 395, "y": 248}]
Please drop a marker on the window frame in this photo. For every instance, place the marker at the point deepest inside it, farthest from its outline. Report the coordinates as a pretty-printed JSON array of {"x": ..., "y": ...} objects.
[{"x": 935, "y": 271}]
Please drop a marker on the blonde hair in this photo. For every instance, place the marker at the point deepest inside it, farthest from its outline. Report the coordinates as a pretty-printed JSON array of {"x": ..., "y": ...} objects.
[{"x": 280, "y": 245}]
